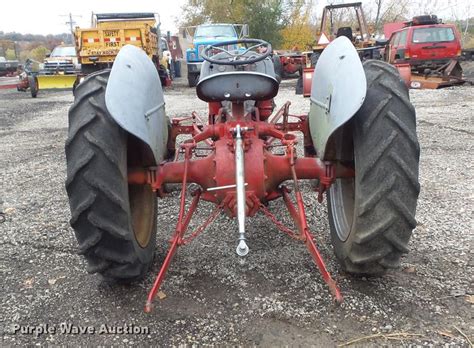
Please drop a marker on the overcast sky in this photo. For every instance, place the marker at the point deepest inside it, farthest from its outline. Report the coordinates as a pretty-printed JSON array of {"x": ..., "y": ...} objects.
[{"x": 45, "y": 16}]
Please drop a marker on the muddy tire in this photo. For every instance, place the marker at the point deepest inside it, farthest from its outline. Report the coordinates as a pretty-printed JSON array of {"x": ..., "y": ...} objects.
[
  {"x": 372, "y": 216},
  {"x": 114, "y": 223},
  {"x": 278, "y": 68},
  {"x": 193, "y": 80},
  {"x": 33, "y": 83},
  {"x": 299, "y": 85}
]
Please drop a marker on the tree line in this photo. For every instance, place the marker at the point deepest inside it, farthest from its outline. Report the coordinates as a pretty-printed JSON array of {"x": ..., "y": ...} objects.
[
  {"x": 290, "y": 24},
  {"x": 33, "y": 46}
]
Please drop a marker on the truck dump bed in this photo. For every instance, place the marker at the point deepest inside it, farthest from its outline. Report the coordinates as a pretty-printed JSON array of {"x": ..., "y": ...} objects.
[{"x": 100, "y": 44}]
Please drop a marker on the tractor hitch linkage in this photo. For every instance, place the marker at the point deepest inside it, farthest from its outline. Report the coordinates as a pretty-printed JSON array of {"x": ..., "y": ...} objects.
[{"x": 238, "y": 165}]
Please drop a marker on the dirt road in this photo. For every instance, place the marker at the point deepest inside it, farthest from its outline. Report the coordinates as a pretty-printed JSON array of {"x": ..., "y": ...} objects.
[{"x": 276, "y": 297}]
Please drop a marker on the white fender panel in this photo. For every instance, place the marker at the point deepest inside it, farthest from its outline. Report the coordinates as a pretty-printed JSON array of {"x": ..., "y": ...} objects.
[
  {"x": 337, "y": 92},
  {"x": 134, "y": 98}
]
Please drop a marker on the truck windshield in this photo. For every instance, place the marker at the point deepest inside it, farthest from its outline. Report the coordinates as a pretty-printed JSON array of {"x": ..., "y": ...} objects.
[
  {"x": 215, "y": 31},
  {"x": 423, "y": 35},
  {"x": 64, "y": 52},
  {"x": 163, "y": 45}
]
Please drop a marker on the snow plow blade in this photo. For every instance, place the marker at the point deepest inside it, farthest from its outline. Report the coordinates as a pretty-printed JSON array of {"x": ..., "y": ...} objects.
[{"x": 55, "y": 81}]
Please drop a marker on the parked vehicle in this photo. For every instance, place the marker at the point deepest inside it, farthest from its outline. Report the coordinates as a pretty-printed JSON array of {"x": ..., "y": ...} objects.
[
  {"x": 7, "y": 66},
  {"x": 62, "y": 60},
  {"x": 426, "y": 52},
  {"x": 359, "y": 36},
  {"x": 204, "y": 35},
  {"x": 173, "y": 55},
  {"x": 27, "y": 78},
  {"x": 98, "y": 46},
  {"x": 59, "y": 70}
]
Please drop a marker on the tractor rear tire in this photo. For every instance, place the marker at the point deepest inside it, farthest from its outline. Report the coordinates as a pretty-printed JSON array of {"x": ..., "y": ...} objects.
[
  {"x": 114, "y": 223},
  {"x": 372, "y": 216}
]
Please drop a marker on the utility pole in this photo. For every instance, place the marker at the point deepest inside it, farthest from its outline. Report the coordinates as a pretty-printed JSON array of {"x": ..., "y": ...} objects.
[{"x": 71, "y": 24}]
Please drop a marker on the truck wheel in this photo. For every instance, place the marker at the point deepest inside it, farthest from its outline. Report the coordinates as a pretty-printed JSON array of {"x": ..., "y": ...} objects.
[
  {"x": 193, "y": 80},
  {"x": 114, "y": 223},
  {"x": 372, "y": 215},
  {"x": 299, "y": 85},
  {"x": 277, "y": 67},
  {"x": 33, "y": 84},
  {"x": 177, "y": 68}
]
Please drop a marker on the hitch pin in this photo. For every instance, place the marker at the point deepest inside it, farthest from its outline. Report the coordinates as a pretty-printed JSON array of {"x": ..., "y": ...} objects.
[
  {"x": 242, "y": 248},
  {"x": 216, "y": 188}
]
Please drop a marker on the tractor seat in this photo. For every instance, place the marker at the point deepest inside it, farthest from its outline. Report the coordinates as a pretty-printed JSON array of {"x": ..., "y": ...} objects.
[{"x": 255, "y": 81}]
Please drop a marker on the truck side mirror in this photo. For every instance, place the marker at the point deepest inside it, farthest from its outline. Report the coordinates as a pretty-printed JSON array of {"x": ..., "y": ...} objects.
[
  {"x": 184, "y": 34},
  {"x": 245, "y": 30}
]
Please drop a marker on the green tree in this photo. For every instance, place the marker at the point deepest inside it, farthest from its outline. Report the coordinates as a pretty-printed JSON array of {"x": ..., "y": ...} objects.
[
  {"x": 298, "y": 32},
  {"x": 38, "y": 53},
  {"x": 266, "y": 20},
  {"x": 10, "y": 54},
  {"x": 24, "y": 55}
]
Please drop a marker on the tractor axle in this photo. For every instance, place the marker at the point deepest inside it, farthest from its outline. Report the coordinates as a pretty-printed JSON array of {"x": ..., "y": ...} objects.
[{"x": 264, "y": 170}]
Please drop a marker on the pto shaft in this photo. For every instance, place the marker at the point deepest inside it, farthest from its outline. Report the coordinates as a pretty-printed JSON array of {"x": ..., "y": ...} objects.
[{"x": 242, "y": 248}]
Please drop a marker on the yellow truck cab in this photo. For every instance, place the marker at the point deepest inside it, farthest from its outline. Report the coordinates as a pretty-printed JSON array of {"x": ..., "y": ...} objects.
[{"x": 98, "y": 46}]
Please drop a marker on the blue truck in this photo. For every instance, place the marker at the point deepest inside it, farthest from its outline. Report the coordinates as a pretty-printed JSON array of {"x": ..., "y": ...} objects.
[{"x": 208, "y": 34}]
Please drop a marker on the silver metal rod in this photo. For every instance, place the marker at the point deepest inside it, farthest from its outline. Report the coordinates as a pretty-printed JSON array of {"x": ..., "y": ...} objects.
[
  {"x": 216, "y": 188},
  {"x": 242, "y": 248}
]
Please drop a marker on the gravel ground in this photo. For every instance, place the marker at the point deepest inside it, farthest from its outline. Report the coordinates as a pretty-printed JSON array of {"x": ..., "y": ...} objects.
[{"x": 275, "y": 297}]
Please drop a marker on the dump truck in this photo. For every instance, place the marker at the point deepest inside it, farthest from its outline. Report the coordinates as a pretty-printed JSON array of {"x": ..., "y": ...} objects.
[
  {"x": 98, "y": 46},
  {"x": 204, "y": 35},
  {"x": 425, "y": 51}
]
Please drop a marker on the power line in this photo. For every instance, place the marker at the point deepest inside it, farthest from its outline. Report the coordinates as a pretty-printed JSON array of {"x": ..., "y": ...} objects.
[{"x": 71, "y": 22}]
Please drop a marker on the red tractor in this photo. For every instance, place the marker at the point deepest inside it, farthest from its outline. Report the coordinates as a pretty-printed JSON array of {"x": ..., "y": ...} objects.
[{"x": 358, "y": 141}]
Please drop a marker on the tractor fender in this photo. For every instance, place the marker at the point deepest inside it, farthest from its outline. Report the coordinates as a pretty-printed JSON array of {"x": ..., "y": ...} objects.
[
  {"x": 134, "y": 99},
  {"x": 337, "y": 91}
]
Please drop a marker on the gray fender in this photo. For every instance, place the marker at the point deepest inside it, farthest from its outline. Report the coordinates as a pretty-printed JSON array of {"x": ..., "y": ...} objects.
[
  {"x": 134, "y": 99},
  {"x": 337, "y": 91}
]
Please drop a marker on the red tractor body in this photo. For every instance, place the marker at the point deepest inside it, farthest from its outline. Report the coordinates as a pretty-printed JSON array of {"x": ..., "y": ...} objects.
[
  {"x": 292, "y": 62},
  {"x": 263, "y": 170},
  {"x": 123, "y": 151}
]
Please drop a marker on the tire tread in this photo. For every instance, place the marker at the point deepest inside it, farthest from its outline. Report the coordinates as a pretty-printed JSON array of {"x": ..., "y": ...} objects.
[
  {"x": 387, "y": 187},
  {"x": 97, "y": 188}
]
